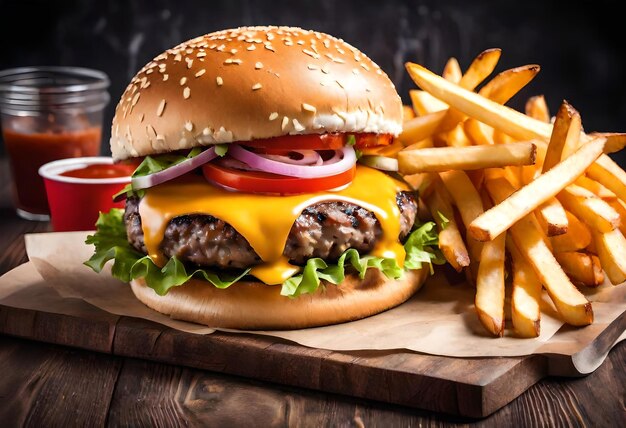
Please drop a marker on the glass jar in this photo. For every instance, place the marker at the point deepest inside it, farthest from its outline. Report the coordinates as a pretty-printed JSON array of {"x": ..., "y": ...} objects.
[{"x": 48, "y": 113}]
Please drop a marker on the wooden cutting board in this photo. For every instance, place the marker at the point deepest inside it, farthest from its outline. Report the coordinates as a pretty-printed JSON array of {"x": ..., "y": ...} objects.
[{"x": 473, "y": 387}]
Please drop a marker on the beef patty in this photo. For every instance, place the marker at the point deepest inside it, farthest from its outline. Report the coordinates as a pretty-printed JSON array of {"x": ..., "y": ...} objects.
[{"x": 324, "y": 230}]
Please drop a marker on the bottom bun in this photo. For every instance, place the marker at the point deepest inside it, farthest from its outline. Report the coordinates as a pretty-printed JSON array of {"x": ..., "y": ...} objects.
[{"x": 253, "y": 305}]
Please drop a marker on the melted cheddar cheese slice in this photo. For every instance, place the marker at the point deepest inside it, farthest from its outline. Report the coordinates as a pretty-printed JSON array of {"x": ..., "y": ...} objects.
[{"x": 266, "y": 220}]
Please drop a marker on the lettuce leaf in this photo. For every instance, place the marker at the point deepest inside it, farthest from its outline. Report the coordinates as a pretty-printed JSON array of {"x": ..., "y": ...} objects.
[
  {"x": 157, "y": 163},
  {"x": 111, "y": 243},
  {"x": 421, "y": 247}
]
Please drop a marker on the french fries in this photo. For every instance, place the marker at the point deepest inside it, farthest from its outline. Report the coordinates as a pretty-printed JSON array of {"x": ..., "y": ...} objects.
[
  {"x": 508, "y": 83},
  {"x": 525, "y": 312},
  {"x": 572, "y": 305},
  {"x": 582, "y": 268},
  {"x": 450, "y": 240},
  {"x": 501, "y": 217},
  {"x": 577, "y": 237},
  {"x": 565, "y": 135},
  {"x": 537, "y": 108},
  {"x": 438, "y": 159},
  {"x": 596, "y": 213},
  {"x": 560, "y": 216},
  {"x": 490, "y": 286},
  {"x": 611, "y": 249},
  {"x": 467, "y": 199},
  {"x": 552, "y": 217}
]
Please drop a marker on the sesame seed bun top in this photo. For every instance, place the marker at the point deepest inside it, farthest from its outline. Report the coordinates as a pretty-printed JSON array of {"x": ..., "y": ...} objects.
[{"x": 249, "y": 83}]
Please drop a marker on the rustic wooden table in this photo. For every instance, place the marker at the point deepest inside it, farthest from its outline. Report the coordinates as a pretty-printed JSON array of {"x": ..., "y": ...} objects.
[{"x": 50, "y": 385}]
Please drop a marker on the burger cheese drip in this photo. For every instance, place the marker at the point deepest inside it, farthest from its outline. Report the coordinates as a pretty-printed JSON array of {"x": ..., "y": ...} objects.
[{"x": 265, "y": 220}]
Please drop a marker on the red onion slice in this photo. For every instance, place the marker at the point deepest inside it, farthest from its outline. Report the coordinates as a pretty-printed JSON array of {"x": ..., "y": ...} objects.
[
  {"x": 309, "y": 157},
  {"x": 254, "y": 160},
  {"x": 146, "y": 181}
]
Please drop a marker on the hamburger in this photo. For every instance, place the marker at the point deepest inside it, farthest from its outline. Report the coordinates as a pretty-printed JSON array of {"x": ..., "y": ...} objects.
[{"x": 252, "y": 205}]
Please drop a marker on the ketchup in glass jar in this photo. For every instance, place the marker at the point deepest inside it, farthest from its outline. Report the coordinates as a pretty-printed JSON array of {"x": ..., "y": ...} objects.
[
  {"x": 27, "y": 152},
  {"x": 48, "y": 113}
]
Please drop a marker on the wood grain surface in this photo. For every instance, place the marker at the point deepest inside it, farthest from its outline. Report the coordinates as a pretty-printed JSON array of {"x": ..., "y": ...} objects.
[{"x": 49, "y": 385}]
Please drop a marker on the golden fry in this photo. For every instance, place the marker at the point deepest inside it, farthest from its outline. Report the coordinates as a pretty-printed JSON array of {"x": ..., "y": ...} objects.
[
  {"x": 578, "y": 236},
  {"x": 528, "y": 198},
  {"x": 565, "y": 135},
  {"x": 582, "y": 268},
  {"x": 525, "y": 311},
  {"x": 467, "y": 199},
  {"x": 574, "y": 308},
  {"x": 450, "y": 239},
  {"x": 490, "y": 286},
  {"x": 472, "y": 157},
  {"x": 424, "y": 103},
  {"x": 452, "y": 71},
  {"x": 596, "y": 213},
  {"x": 537, "y": 108},
  {"x": 421, "y": 127},
  {"x": 508, "y": 83},
  {"x": 552, "y": 218},
  {"x": 611, "y": 248}
]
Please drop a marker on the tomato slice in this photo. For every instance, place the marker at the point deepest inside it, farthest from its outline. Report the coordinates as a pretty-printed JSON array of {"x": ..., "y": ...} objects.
[
  {"x": 369, "y": 139},
  {"x": 299, "y": 142},
  {"x": 264, "y": 182}
]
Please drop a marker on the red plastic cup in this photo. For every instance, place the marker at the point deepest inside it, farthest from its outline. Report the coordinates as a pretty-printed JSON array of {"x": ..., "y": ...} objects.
[{"x": 75, "y": 203}]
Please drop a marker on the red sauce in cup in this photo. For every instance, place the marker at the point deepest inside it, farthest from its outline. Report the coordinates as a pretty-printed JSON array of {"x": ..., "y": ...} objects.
[
  {"x": 101, "y": 171},
  {"x": 28, "y": 151}
]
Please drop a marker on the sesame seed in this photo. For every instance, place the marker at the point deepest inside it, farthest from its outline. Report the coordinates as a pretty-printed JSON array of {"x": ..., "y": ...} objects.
[
  {"x": 339, "y": 83},
  {"x": 201, "y": 54},
  {"x": 284, "y": 123},
  {"x": 149, "y": 71},
  {"x": 325, "y": 69},
  {"x": 189, "y": 62},
  {"x": 288, "y": 43},
  {"x": 327, "y": 43},
  {"x": 251, "y": 48},
  {"x": 189, "y": 126},
  {"x": 297, "y": 126},
  {"x": 228, "y": 61},
  {"x": 219, "y": 81},
  {"x": 312, "y": 67},
  {"x": 221, "y": 48},
  {"x": 339, "y": 60},
  {"x": 186, "y": 92},
  {"x": 141, "y": 117},
  {"x": 178, "y": 57},
  {"x": 233, "y": 51},
  {"x": 269, "y": 47},
  {"x": 183, "y": 80},
  {"x": 135, "y": 98},
  {"x": 206, "y": 131},
  {"x": 256, "y": 86},
  {"x": 300, "y": 42},
  {"x": 258, "y": 65},
  {"x": 311, "y": 54},
  {"x": 365, "y": 66},
  {"x": 200, "y": 72},
  {"x": 151, "y": 131},
  {"x": 308, "y": 107},
  {"x": 273, "y": 116},
  {"x": 355, "y": 71},
  {"x": 160, "y": 108},
  {"x": 165, "y": 77}
]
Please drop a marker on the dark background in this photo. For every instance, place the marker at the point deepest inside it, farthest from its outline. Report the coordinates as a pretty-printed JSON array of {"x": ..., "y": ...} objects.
[{"x": 580, "y": 46}]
